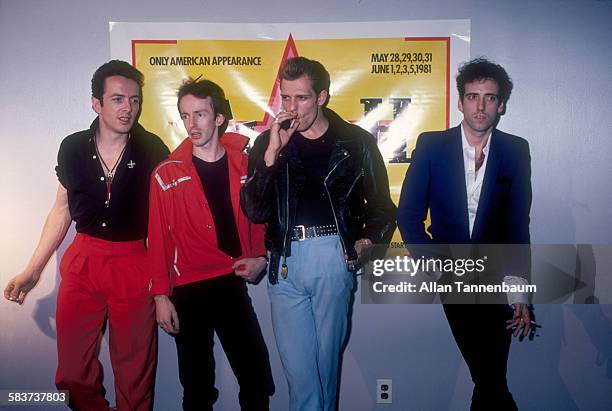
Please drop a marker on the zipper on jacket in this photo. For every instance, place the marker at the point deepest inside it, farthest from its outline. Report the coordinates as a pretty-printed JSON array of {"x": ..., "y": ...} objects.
[
  {"x": 284, "y": 269},
  {"x": 176, "y": 261},
  {"x": 354, "y": 183},
  {"x": 250, "y": 240},
  {"x": 346, "y": 155}
]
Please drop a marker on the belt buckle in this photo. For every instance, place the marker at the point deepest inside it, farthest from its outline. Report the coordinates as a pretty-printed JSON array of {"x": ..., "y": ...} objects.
[{"x": 302, "y": 230}]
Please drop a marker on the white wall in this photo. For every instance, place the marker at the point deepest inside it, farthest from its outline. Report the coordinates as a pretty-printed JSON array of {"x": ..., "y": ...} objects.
[{"x": 559, "y": 55}]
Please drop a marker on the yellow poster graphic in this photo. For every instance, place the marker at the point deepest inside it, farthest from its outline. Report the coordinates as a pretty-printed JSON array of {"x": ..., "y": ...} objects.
[{"x": 394, "y": 86}]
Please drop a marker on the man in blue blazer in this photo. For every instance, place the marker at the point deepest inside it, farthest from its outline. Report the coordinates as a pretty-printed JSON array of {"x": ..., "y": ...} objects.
[{"x": 475, "y": 182}]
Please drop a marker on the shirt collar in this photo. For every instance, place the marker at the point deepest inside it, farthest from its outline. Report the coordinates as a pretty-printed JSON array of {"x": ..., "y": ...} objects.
[{"x": 467, "y": 147}]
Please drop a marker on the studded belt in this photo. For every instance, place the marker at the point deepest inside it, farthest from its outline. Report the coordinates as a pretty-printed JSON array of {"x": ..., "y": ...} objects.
[{"x": 301, "y": 232}]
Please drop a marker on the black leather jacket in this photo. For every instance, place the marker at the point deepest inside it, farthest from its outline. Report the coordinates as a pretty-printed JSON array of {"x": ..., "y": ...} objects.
[{"x": 357, "y": 186}]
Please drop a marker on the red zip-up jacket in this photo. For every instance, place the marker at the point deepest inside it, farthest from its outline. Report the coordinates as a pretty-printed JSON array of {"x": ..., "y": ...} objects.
[{"x": 182, "y": 237}]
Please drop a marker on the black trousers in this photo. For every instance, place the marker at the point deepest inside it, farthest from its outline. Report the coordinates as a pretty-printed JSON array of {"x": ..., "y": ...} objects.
[
  {"x": 480, "y": 332},
  {"x": 220, "y": 305}
]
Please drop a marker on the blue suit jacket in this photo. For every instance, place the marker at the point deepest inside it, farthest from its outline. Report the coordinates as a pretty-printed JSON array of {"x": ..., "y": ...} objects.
[{"x": 435, "y": 181}]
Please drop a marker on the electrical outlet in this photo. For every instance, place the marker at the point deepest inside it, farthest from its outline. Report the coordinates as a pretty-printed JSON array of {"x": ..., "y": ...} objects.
[{"x": 384, "y": 391}]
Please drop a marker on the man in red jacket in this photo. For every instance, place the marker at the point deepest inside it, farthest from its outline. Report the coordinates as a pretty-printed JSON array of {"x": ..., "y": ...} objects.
[{"x": 202, "y": 249}]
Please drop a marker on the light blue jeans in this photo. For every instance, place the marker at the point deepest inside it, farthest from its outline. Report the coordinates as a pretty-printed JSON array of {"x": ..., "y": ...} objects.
[{"x": 309, "y": 316}]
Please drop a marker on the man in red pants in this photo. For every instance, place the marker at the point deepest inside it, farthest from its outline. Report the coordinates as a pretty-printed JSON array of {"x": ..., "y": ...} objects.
[{"x": 104, "y": 183}]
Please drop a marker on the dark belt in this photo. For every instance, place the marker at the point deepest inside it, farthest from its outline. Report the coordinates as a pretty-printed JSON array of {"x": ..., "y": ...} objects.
[{"x": 301, "y": 232}]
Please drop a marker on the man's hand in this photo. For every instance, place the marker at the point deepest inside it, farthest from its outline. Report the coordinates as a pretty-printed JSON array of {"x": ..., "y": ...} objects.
[
  {"x": 166, "y": 315},
  {"x": 19, "y": 286},
  {"x": 521, "y": 320},
  {"x": 54, "y": 231},
  {"x": 279, "y": 136},
  {"x": 250, "y": 268},
  {"x": 360, "y": 246}
]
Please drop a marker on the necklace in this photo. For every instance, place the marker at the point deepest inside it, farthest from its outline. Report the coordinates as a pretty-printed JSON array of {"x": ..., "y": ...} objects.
[{"x": 109, "y": 173}]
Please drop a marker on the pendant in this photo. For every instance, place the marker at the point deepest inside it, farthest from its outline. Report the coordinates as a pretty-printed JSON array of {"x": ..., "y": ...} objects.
[{"x": 284, "y": 271}]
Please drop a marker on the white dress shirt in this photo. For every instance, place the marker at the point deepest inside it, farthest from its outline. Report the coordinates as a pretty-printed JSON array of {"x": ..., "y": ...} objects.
[{"x": 473, "y": 186}]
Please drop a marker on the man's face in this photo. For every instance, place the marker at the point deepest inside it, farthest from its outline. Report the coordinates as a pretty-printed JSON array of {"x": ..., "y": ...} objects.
[
  {"x": 299, "y": 97},
  {"x": 481, "y": 105},
  {"x": 199, "y": 119},
  {"x": 119, "y": 106}
]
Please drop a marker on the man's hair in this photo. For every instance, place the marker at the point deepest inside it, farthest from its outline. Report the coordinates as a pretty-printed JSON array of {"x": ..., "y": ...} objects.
[
  {"x": 202, "y": 88},
  {"x": 114, "y": 68},
  {"x": 483, "y": 69},
  {"x": 296, "y": 67}
]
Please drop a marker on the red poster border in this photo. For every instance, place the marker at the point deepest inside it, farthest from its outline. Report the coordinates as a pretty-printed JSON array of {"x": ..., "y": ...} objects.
[{"x": 135, "y": 42}]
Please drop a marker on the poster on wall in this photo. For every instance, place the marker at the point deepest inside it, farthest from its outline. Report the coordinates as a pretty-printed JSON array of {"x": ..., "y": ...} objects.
[{"x": 394, "y": 79}]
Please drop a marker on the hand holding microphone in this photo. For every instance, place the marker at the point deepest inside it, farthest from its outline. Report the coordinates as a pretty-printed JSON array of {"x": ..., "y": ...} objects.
[{"x": 282, "y": 129}]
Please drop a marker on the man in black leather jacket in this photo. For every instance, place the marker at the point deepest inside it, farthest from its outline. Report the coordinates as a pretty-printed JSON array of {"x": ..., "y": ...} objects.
[{"x": 320, "y": 185}]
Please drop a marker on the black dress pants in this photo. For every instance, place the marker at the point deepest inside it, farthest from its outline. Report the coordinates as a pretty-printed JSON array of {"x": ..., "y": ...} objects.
[
  {"x": 480, "y": 332},
  {"x": 220, "y": 305}
]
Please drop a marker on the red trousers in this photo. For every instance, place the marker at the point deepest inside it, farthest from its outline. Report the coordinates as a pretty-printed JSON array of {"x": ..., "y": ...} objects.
[{"x": 106, "y": 280}]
